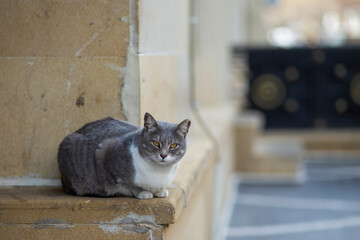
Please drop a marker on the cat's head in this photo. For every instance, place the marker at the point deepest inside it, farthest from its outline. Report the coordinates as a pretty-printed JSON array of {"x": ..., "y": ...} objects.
[{"x": 163, "y": 142}]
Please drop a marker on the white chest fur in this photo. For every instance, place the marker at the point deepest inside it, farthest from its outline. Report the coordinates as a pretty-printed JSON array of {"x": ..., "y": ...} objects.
[{"x": 151, "y": 176}]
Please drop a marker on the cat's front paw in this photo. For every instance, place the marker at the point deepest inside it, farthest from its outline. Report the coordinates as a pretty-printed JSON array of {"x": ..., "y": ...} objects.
[
  {"x": 144, "y": 195},
  {"x": 162, "y": 193}
]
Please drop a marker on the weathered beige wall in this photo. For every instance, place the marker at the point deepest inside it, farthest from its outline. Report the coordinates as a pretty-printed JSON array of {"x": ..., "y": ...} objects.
[
  {"x": 63, "y": 28},
  {"x": 158, "y": 88},
  {"x": 212, "y": 51},
  {"x": 163, "y": 58},
  {"x": 61, "y": 65}
]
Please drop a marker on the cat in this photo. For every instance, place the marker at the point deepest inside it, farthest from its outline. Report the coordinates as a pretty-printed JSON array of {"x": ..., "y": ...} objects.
[{"x": 110, "y": 157}]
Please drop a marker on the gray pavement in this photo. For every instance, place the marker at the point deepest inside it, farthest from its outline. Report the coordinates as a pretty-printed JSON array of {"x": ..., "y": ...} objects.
[{"x": 326, "y": 207}]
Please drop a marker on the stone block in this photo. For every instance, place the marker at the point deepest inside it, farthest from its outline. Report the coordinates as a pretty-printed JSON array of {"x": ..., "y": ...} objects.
[
  {"x": 158, "y": 88},
  {"x": 276, "y": 155},
  {"x": 44, "y": 99},
  {"x": 248, "y": 127},
  {"x": 61, "y": 231},
  {"x": 345, "y": 140},
  {"x": 29, "y": 205},
  {"x": 64, "y": 28}
]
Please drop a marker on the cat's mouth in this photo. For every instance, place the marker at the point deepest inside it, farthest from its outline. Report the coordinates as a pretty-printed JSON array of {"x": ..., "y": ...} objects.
[
  {"x": 166, "y": 161},
  {"x": 163, "y": 162}
]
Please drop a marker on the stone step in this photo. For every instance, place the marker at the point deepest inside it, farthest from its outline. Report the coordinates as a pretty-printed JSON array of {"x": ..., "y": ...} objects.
[
  {"x": 187, "y": 213},
  {"x": 48, "y": 212},
  {"x": 323, "y": 140},
  {"x": 266, "y": 159},
  {"x": 275, "y": 160},
  {"x": 31, "y": 212}
]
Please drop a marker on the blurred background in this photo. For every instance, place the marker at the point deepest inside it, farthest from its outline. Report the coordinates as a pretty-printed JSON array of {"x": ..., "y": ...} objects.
[
  {"x": 272, "y": 88},
  {"x": 298, "y": 70},
  {"x": 303, "y": 56},
  {"x": 303, "y": 23}
]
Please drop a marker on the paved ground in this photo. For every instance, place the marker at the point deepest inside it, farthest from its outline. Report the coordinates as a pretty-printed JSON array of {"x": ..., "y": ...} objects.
[{"x": 326, "y": 207}]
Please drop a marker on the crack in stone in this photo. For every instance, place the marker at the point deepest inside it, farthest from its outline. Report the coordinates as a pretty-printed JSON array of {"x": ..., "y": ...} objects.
[
  {"x": 51, "y": 223},
  {"x": 131, "y": 223},
  {"x": 95, "y": 35}
]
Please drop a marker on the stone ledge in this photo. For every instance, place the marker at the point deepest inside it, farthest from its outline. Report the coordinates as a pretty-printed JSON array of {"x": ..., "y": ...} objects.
[
  {"x": 190, "y": 171},
  {"x": 37, "y": 206},
  {"x": 220, "y": 118},
  {"x": 44, "y": 211},
  {"x": 26, "y": 205},
  {"x": 327, "y": 140},
  {"x": 81, "y": 231},
  {"x": 47, "y": 212}
]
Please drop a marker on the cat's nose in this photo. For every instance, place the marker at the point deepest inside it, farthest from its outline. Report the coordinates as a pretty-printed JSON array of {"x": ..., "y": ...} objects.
[{"x": 163, "y": 156}]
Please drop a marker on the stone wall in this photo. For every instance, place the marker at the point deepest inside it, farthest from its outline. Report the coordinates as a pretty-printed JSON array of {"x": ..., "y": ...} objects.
[
  {"x": 65, "y": 63},
  {"x": 62, "y": 64},
  {"x": 163, "y": 58}
]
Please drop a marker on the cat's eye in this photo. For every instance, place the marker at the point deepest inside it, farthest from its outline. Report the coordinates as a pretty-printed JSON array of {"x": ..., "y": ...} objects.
[
  {"x": 173, "y": 145},
  {"x": 156, "y": 143}
]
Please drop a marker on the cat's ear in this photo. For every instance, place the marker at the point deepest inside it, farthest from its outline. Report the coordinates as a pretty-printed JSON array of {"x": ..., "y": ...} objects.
[
  {"x": 183, "y": 127},
  {"x": 149, "y": 122}
]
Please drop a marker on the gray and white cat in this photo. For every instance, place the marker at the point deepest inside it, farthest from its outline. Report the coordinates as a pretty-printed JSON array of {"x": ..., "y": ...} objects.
[{"x": 110, "y": 157}]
